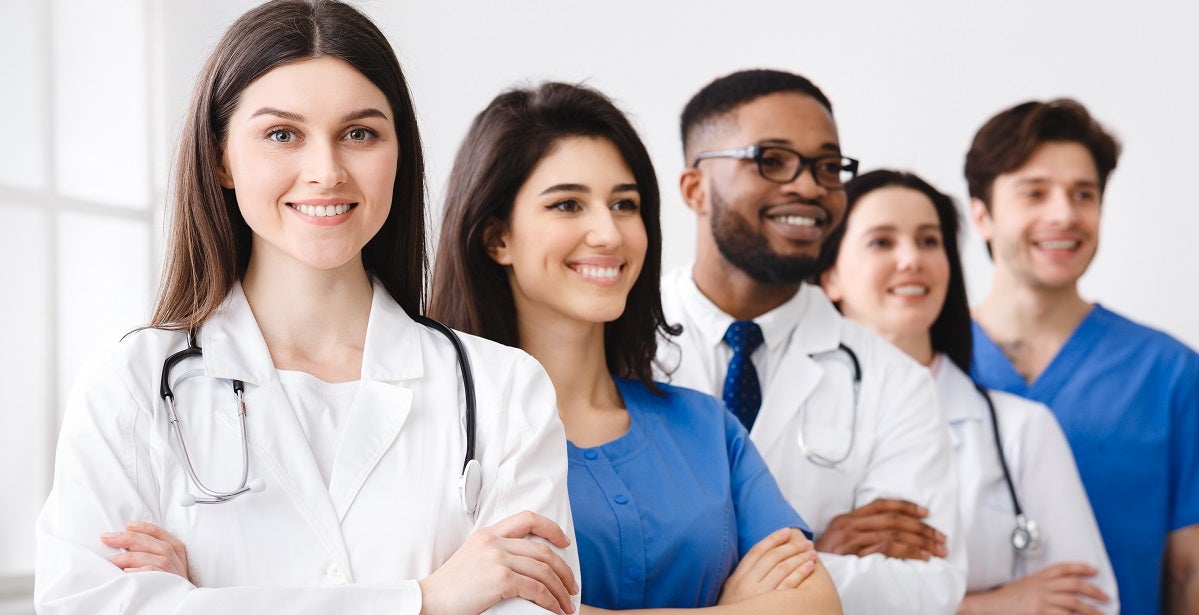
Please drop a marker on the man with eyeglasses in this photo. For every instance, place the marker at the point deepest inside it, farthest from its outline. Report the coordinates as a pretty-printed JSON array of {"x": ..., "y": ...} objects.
[{"x": 848, "y": 424}]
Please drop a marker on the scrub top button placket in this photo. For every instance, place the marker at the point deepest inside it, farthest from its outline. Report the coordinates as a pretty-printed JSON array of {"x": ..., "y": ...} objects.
[{"x": 628, "y": 519}]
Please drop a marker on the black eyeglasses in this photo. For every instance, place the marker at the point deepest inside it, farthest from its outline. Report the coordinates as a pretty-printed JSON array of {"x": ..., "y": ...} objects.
[{"x": 782, "y": 165}]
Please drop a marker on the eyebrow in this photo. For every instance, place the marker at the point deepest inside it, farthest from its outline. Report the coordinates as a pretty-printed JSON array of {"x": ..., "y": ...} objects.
[
  {"x": 894, "y": 228},
  {"x": 296, "y": 117},
  {"x": 1045, "y": 180},
  {"x": 829, "y": 146},
  {"x": 582, "y": 188}
]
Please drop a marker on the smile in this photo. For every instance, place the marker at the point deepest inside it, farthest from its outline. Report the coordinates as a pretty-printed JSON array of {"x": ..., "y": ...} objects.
[
  {"x": 796, "y": 220},
  {"x": 910, "y": 290},
  {"x": 322, "y": 211},
  {"x": 1057, "y": 244},
  {"x": 597, "y": 273}
]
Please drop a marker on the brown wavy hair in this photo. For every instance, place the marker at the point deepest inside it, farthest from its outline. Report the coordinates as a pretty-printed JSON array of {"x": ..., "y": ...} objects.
[{"x": 208, "y": 246}]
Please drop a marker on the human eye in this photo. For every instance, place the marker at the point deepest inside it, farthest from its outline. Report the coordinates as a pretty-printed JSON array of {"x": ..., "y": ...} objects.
[
  {"x": 566, "y": 206},
  {"x": 878, "y": 243},
  {"x": 280, "y": 134},
  {"x": 930, "y": 241},
  {"x": 772, "y": 158},
  {"x": 361, "y": 135},
  {"x": 626, "y": 205},
  {"x": 1086, "y": 195}
]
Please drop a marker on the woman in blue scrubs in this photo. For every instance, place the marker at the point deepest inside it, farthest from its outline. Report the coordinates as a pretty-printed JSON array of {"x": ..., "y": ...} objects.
[{"x": 551, "y": 242}]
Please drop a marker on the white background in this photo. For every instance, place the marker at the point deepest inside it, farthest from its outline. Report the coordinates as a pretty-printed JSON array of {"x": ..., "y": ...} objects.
[{"x": 94, "y": 93}]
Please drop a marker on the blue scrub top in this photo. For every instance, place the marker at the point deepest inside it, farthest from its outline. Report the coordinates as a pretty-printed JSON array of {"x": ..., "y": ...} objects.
[
  {"x": 1127, "y": 397},
  {"x": 664, "y": 513}
]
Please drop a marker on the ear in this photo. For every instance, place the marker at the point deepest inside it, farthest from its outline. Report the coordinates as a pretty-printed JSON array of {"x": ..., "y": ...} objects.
[
  {"x": 223, "y": 173},
  {"x": 981, "y": 218},
  {"x": 495, "y": 240},
  {"x": 695, "y": 194},
  {"x": 830, "y": 281}
]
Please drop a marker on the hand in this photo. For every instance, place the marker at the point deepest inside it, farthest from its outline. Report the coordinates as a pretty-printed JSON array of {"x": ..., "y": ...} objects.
[
  {"x": 1058, "y": 589},
  {"x": 147, "y": 547},
  {"x": 781, "y": 560},
  {"x": 891, "y": 527},
  {"x": 498, "y": 562}
]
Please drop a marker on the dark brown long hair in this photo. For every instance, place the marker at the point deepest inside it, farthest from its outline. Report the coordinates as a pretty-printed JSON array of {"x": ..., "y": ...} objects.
[
  {"x": 950, "y": 333},
  {"x": 208, "y": 248},
  {"x": 471, "y": 291}
]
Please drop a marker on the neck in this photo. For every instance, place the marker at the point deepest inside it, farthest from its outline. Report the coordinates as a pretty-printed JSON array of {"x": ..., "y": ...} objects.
[
  {"x": 573, "y": 356},
  {"x": 917, "y": 345},
  {"x": 734, "y": 291},
  {"x": 312, "y": 320},
  {"x": 1013, "y": 310}
]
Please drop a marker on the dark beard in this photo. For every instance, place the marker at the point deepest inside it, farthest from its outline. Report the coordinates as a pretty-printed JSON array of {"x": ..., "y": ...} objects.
[{"x": 750, "y": 252}]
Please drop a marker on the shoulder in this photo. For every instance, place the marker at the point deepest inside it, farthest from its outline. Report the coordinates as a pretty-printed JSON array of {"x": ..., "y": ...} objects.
[
  {"x": 1144, "y": 337},
  {"x": 673, "y": 399}
]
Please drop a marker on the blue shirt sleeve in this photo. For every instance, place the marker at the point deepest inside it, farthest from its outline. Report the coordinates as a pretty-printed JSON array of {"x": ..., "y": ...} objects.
[
  {"x": 760, "y": 507},
  {"x": 1184, "y": 448}
]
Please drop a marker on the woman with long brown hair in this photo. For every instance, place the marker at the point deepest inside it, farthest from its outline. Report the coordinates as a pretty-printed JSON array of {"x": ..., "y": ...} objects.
[{"x": 286, "y": 348}]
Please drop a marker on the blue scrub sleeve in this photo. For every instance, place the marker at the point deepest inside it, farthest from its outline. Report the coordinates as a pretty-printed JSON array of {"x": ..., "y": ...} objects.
[
  {"x": 1184, "y": 445},
  {"x": 760, "y": 506}
]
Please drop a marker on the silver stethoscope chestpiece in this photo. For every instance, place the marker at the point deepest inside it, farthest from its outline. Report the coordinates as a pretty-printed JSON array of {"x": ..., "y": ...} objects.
[
  {"x": 1025, "y": 536},
  {"x": 470, "y": 485}
]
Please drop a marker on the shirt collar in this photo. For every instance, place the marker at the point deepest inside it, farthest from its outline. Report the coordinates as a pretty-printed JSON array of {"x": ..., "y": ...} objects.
[
  {"x": 955, "y": 391},
  {"x": 808, "y": 314},
  {"x": 234, "y": 347}
]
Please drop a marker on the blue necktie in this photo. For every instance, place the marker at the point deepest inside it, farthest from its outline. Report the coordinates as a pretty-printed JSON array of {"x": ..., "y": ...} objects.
[{"x": 742, "y": 393}]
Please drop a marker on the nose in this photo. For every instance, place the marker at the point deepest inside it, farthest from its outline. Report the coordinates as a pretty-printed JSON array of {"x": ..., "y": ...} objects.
[
  {"x": 602, "y": 231},
  {"x": 323, "y": 166},
  {"x": 1061, "y": 207},
  {"x": 805, "y": 184},
  {"x": 908, "y": 256}
]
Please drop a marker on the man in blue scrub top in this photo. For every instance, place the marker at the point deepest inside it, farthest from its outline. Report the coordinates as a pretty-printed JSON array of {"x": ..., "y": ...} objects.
[{"x": 1126, "y": 395}]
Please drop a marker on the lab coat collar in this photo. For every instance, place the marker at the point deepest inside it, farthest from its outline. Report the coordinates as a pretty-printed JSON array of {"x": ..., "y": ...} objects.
[
  {"x": 808, "y": 313},
  {"x": 234, "y": 347},
  {"x": 956, "y": 392}
]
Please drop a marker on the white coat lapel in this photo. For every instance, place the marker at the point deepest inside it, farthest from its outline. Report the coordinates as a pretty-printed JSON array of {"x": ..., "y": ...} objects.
[
  {"x": 817, "y": 330},
  {"x": 392, "y": 354},
  {"x": 234, "y": 348}
]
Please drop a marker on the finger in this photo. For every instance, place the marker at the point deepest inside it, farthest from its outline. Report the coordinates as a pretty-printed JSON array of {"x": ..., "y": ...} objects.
[
  {"x": 530, "y": 523},
  {"x": 135, "y": 541},
  {"x": 897, "y": 521},
  {"x": 897, "y": 544},
  {"x": 764, "y": 546},
  {"x": 145, "y": 527},
  {"x": 890, "y": 505},
  {"x": 777, "y": 574},
  {"x": 897, "y": 550},
  {"x": 1075, "y": 586},
  {"x": 545, "y": 579},
  {"x": 798, "y": 576},
  {"x": 136, "y": 559},
  {"x": 1072, "y": 569},
  {"x": 1070, "y": 604},
  {"x": 541, "y": 552}
]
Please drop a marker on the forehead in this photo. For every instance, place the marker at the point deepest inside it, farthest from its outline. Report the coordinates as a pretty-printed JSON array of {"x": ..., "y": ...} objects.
[
  {"x": 788, "y": 118},
  {"x": 1060, "y": 161},
  {"x": 316, "y": 84},
  {"x": 581, "y": 160},
  {"x": 898, "y": 207}
]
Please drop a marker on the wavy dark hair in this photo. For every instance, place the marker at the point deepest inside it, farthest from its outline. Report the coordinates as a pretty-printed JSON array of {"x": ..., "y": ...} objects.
[
  {"x": 208, "y": 248},
  {"x": 950, "y": 332},
  {"x": 505, "y": 142}
]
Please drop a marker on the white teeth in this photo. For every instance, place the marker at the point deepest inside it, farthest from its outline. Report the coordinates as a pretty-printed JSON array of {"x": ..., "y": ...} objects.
[
  {"x": 600, "y": 273},
  {"x": 910, "y": 290},
  {"x": 322, "y": 211},
  {"x": 1060, "y": 244},
  {"x": 796, "y": 220}
]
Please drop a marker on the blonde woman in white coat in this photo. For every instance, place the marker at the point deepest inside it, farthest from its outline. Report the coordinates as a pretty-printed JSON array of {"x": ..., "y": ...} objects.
[
  {"x": 295, "y": 266},
  {"x": 894, "y": 266}
]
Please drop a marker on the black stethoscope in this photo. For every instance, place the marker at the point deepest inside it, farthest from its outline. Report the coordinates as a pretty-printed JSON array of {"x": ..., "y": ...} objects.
[
  {"x": 1025, "y": 536},
  {"x": 470, "y": 482}
]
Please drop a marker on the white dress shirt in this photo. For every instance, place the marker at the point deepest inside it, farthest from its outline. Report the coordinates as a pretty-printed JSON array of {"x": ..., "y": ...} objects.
[
  {"x": 1046, "y": 482},
  {"x": 900, "y": 442}
]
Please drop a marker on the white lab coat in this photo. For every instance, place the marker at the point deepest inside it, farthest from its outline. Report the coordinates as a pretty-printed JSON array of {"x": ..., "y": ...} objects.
[
  {"x": 391, "y": 513},
  {"x": 901, "y": 447},
  {"x": 1046, "y": 481}
]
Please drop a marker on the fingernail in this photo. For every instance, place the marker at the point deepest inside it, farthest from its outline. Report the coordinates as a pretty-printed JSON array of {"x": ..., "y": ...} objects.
[
  {"x": 922, "y": 510},
  {"x": 133, "y": 524},
  {"x": 109, "y": 535}
]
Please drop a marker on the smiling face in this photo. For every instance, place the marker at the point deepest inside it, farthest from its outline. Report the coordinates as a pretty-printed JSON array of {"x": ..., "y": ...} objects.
[
  {"x": 771, "y": 231},
  {"x": 575, "y": 242},
  {"x": 1043, "y": 223},
  {"x": 311, "y": 154},
  {"x": 892, "y": 273}
]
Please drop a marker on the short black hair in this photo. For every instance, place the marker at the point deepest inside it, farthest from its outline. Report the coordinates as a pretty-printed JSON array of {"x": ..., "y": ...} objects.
[{"x": 731, "y": 91}]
